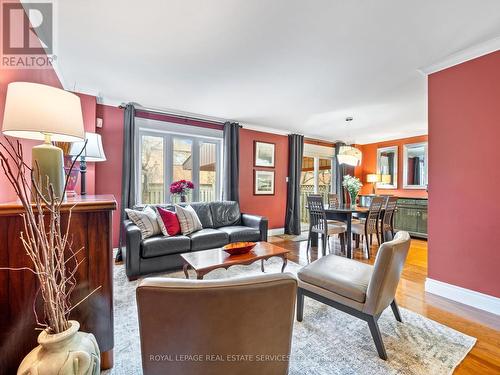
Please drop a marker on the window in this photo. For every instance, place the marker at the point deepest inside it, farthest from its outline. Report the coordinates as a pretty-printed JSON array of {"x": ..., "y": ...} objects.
[{"x": 171, "y": 152}]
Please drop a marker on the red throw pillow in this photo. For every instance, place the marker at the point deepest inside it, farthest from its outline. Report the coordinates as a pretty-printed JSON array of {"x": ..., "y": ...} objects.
[{"x": 170, "y": 221}]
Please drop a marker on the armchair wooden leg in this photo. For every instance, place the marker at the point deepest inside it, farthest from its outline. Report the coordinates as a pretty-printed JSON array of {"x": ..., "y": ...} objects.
[
  {"x": 395, "y": 310},
  {"x": 300, "y": 305},
  {"x": 377, "y": 337}
]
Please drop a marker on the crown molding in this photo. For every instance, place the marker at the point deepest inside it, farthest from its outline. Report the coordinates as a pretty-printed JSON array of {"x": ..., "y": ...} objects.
[{"x": 462, "y": 56}]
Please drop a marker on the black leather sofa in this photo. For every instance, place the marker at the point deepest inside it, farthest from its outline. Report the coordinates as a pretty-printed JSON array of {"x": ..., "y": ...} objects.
[{"x": 222, "y": 222}]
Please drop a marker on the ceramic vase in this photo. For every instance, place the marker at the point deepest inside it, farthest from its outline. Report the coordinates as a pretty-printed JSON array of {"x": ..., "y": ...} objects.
[
  {"x": 183, "y": 198},
  {"x": 67, "y": 353}
]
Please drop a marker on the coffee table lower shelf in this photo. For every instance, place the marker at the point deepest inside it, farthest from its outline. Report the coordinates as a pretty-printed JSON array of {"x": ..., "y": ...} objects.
[{"x": 205, "y": 261}]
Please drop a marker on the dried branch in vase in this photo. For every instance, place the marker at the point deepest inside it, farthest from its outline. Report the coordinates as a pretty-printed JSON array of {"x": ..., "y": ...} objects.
[{"x": 46, "y": 241}]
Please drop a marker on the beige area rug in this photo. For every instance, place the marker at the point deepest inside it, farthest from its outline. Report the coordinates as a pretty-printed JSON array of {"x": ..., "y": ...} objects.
[{"x": 326, "y": 342}]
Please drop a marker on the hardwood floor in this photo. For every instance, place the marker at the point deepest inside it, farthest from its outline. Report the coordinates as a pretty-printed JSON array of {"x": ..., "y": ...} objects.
[{"x": 484, "y": 358}]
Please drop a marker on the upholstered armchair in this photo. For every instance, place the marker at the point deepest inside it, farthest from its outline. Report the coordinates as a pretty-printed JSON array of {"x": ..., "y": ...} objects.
[
  {"x": 356, "y": 288},
  {"x": 232, "y": 326}
]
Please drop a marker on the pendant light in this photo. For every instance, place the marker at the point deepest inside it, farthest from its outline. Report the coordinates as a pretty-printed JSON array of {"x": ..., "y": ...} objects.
[{"x": 348, "y": 154}]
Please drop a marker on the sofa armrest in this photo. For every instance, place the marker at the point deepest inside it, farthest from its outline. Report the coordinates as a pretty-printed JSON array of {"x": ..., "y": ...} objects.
[
  {"x": 257, "y": 222},
  {"x": 133, "y": 239}
]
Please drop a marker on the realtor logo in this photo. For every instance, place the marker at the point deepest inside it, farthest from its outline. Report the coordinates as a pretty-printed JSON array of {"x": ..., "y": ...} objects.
[{"x": 27, "y": 34}]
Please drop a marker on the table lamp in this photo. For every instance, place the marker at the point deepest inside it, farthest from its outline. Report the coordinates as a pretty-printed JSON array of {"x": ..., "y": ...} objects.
[
  {"x": 373, "y": 178},
  {"x": 386, "y": 179},
  {"x": 93, "y": 152},
  {"x": 40, "y": 112}
]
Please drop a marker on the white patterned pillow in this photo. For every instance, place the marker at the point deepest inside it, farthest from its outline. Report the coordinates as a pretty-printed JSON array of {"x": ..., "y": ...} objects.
[
  {"x": 188, "y": 219},
  {"x": 146, "y": 220}
]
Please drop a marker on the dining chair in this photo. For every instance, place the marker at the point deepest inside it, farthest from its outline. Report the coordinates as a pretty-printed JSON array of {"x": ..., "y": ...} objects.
[
  {"x": 387, "y": 222},
  {"x": 370, "y": 226},
  {"x": 333, "y": 200},
  {"x": 319, "y": 224}
]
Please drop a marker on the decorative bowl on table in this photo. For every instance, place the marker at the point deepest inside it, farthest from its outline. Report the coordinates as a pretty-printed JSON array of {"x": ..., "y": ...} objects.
[{"x": 238, "y": 248}]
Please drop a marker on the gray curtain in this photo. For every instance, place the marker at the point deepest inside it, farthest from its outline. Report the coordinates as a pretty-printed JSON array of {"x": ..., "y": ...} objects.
[
  {"x": 341, "y": 170},
  {"x": 128, "y": 170},
  {"x": 230, "y": 187},
  {"x": 295, "y": 154}
]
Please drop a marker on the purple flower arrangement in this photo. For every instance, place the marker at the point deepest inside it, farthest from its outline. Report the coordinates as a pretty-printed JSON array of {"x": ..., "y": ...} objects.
[{"x": 181, "y": 187}]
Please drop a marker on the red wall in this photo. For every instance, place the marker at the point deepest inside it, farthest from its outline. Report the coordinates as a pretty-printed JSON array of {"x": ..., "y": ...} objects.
[
  {"x": 464, "y": 152},
  {"x": 271, "y": 206},
  {"x": 109, "y": 173},
  {"x": 369, "y": 165}
]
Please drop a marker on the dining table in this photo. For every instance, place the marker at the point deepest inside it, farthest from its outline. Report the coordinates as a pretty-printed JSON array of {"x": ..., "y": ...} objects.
[{"x": 345, "y": 213}]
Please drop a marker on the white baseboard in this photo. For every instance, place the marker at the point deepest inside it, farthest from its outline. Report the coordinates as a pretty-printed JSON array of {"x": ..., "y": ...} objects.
[
  {"x": 276, "y": 231},
  {"x": 462, "y": 295}
]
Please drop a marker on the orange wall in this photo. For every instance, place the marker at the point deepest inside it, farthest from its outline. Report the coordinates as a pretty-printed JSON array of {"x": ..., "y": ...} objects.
[
  {"x": 271, "y": 206},
  {"x": 369, "y": 165}
]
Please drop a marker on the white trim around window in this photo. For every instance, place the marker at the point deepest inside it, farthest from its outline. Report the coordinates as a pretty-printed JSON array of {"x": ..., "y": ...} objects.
[{"x": 168, "y": 132}]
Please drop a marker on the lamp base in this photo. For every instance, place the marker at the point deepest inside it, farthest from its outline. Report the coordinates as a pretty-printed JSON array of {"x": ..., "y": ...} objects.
[{"x": 50, "y": 164}]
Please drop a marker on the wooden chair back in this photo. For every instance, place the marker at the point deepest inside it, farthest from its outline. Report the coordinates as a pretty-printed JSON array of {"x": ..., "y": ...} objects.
[
  {"x": 333, "y": 200},
  {"x": 371, "y": 223},
  {"x": 390, "y": 208},
  {"x": 317, "y": 215}
]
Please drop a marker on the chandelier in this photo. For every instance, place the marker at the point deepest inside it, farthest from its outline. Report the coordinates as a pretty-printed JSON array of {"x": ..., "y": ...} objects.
[{"x": 349, "y": 155}]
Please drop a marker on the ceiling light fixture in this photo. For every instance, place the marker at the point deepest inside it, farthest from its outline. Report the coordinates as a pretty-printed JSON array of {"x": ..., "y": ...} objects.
[{"x": 348, "y": 154}]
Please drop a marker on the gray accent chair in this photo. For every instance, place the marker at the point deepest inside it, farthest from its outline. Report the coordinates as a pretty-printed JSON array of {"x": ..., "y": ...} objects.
[
  {"x": 234, "y": 326},
  {"x": 356, "y": 288},
  {"x": 222, "y": 223}
]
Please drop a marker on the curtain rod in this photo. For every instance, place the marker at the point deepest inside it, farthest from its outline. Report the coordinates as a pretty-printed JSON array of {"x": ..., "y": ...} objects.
[{"x": 140, "y": 108}]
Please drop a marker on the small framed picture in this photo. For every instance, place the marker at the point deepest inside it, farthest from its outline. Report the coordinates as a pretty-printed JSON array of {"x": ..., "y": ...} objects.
[
  {"x": 264, "y": 154},
  {"x": 263, "y": 182}
]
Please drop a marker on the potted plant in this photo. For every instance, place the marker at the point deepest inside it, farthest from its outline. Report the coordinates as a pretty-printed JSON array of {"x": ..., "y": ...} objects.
[
  {"x": 352, "y": 185},
  {"x": 63, "y": 348},
  {"x": 181, "y": 188}
]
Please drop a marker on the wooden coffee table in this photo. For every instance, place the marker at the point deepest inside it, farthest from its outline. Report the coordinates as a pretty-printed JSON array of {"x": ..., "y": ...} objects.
[{"x": 208, "y": 260}]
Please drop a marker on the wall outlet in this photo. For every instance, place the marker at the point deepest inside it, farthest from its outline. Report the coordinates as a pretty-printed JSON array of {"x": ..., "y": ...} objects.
[{"x": 98, "y": 123}]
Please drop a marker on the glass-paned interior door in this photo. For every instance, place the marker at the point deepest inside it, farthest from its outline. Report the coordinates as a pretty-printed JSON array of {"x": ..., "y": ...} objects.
[{"x": 152, "y": 169}]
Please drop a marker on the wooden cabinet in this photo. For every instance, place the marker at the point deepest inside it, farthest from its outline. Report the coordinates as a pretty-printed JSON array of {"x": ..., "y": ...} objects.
[
  {"x": 91, "y": 229},
  {"x": 411, "y": 216}
]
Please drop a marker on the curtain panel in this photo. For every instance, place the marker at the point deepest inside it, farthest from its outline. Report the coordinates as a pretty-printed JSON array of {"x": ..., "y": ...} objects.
[
  {"x": 231, "y": 149},
  {"x": 128, "y": 170},
  {"x": 295, "y": 154}
]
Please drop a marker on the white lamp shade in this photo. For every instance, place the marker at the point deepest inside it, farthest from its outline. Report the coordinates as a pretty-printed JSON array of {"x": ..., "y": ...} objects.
[
  {"x": 33, "y": 110},
  {"x": 94, "y": 150},
  {"x": 349, "y": 155},
  {"x": 373, "y": 177}
]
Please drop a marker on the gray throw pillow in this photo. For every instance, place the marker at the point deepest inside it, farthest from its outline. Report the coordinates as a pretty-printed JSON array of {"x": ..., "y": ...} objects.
[
  {"x": 146, "y": 220},
  {"x": 188, "y": 219}
]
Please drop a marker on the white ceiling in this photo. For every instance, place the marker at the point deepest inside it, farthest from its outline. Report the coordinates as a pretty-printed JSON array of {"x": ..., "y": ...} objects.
[{"x": 300, "y": 66}]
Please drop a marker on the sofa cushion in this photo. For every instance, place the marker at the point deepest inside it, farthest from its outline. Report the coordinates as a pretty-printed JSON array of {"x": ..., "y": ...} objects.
[
  {"x": 238, "y": 233},
  {"x": 146, "y": 220},
  {"x": 188, "y": 219},
  {"x": 204, "y": 214},
  {"x": 225, "y": 213},
  {"x": 169, "y": 223},
  {"x": 208, "y": 238},
  {"x": 161, "y": 245},
  {"x": 346, "y": 277}
]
